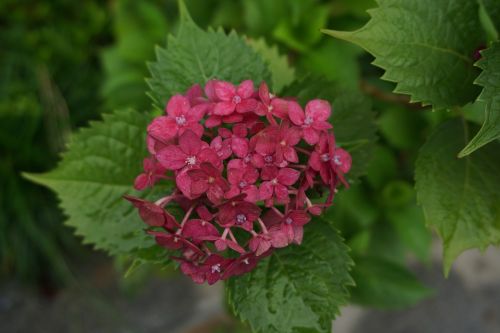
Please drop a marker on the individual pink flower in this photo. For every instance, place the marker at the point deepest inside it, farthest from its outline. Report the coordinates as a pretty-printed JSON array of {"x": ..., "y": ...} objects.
[
  {"x": 241, "y": 265},
  {"x": 153, "y": 171},
  {"x": 238, "y": 213},
  {"x": 328, "y": 160},
  {"x": 200, "y": 230},
  {"x": 270, "y": 106},
  {"x": 195, "y": 95},
  {"x": 221, "y": 147},
  {"x": 152, "y": 214},
  {"x": 190, "y": 152},
  {"x": 314, "y": 121},
  {"x": 233, "y": 98},
  {"x": 238, "y": 140},
  {"x": 287, "y": 138},
  {"x": 180, "y": 117},
  {"x": 243, "y": 181},
  {"x": 276, "y": 184},
  {"x": 261, "y": 243},
  {"x": 293, "y": 225},
  {"x": 208, "y": 180}
]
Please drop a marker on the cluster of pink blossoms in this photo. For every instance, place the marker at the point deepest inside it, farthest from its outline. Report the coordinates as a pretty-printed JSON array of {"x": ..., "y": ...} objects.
[{"x": 246, "y": 165}]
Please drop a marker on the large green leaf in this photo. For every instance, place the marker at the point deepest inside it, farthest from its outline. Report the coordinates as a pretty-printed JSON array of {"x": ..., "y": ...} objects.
[
  {"x": 490, "y": 80},
  {"x": 460, "y": 197},
  {"x": 282, "y": 73},
  {"x": 383, "y": 284},
  {"x": 425, "y": 46},
  {"x": 297, "y": 289},
  {"x": 96, "y": 171},
  {"x": 352, "y": 118},
  {"x": 196, "y": 56}
]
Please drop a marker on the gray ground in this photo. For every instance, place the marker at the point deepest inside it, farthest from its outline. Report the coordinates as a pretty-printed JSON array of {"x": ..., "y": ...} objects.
[{"x": 469, "y": 301}]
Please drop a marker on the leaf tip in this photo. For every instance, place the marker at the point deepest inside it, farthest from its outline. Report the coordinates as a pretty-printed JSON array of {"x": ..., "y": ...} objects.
[{"x": 183, "y": 11}]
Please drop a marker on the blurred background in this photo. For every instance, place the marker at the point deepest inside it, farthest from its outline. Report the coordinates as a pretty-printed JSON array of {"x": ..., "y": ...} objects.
[{"x": 63, "y": 63}]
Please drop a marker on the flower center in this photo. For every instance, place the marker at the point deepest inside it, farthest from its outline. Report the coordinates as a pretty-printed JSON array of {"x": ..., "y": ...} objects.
[
  {"x": 246, "y": 261},
  {"x": 308, "y": 121},
  {"x": 191, "y": 160},
  {"x": 243, "y": 184},
  {"x": 211, "y": 180},
  {"x": 241, "y": 218},
  {"x": 288, "y": 220},
  {"x": 268, "y": 159},
  {"x": 336, "y": 160},
  {"x": 215, "y": 268},
  {"x": 181, "y": 120},
  {"x": 247, "y": 158},
  {"x": 325, "y": 157},
  {"x": 274, "y": 181},
  {"x": 283, "y": 143},
  {"x": 236, "y": 99},
  {"x": 270, "y": 108}
]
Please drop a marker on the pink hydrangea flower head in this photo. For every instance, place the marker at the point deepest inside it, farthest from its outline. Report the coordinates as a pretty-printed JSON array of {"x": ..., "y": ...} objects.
[{"x": 244, "y": 166}]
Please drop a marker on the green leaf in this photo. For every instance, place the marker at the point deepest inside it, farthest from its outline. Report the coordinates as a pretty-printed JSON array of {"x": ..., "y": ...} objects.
[
  {"x": 460, "y": 197},
  {"x": 490, "y": 80},
  {"x": 282, "y": 73},
  {"x": 352, "y": 118},
  {"x": 383, "y": 284},
  {"x": 425, "y": 46},
  {"x": 297, "y": 289},
  {"x": 196, "y": 56},
  {"x": 93, "y": 175}
]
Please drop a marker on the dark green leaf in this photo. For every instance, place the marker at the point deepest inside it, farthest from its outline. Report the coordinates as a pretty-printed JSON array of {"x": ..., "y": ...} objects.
[
  {"x": 425, "y": 46},
  {"x": 460, "y": 197},
  {"x": 96, "y": 171},
  {"x": 490, "y": 80},
  {"x": 196, "y": 56},
  {"x": 298, "y": 289}
]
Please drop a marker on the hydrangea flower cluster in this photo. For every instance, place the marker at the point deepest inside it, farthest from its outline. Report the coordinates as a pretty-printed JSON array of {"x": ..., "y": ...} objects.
[{"x": 249, "y": 168}]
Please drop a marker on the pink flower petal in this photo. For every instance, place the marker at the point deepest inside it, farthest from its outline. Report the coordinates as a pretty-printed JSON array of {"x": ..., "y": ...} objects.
[
  {"x": 281, "y": 193},
  {"x": 224, "y": 90},
  {"x": 288, "y": 176},
  {"x": 239, "y": 146},
  {"x": 141, "y": 182},
  {"x": 252, "y": 193},
  {"x": 247, "y": 105},
  {"x": 321, "y": 125},
  {"x": 295, "y": 113},
  {"x": 178, "y": 106},
  {"x": 190, "y": 143},
  {"x": 266, "y": 190},
  {"x": 171, "y": 158},
  {"x": 245, "y": 89},
  {"x": 318, "y": 109},
  {"x": 290, "y": 155},
  {"x": 264, "y": 93},
  {"x": 163, "y": 128},
  {"x": 310, "y": 135},
  {"x": 281, "y": 107},
  {"x": 223, "y": 108}
]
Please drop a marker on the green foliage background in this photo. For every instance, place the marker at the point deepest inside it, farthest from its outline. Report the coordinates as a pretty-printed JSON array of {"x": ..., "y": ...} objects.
[{"x": 63, "y": 65}]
